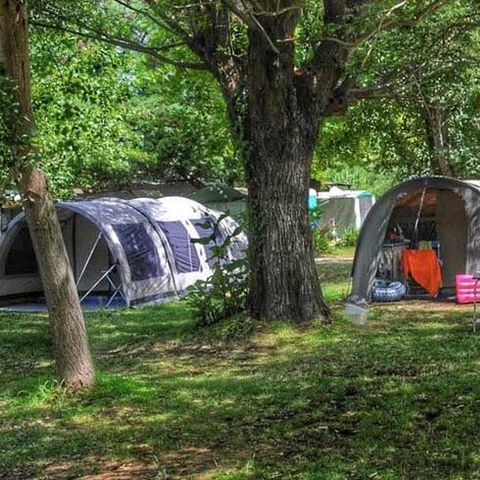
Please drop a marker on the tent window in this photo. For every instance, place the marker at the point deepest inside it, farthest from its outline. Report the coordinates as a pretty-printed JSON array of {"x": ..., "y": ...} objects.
[
  {"x": 184, "y": 252},
  {"x": 207, "y": 232},
  {"x": 21, "y": 257},
  {"x": 141, "y": 253}
]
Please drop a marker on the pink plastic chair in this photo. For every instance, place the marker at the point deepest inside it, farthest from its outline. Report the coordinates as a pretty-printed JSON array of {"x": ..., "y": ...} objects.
[{"x": 465, "y": 286}]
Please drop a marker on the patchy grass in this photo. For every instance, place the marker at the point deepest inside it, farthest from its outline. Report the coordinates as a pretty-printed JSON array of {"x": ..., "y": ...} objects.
[
  {"x": 397, "y": 399},
  {"x": 341, "y": 252},
  {"x": 335, "y": 279}
]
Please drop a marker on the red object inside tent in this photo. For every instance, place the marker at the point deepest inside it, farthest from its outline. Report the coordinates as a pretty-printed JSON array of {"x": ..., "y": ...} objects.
[{"x": 423, "y": 267}]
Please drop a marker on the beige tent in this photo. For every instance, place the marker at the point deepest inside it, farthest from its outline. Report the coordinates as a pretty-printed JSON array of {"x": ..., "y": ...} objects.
[{"x": 440, "y": 210}]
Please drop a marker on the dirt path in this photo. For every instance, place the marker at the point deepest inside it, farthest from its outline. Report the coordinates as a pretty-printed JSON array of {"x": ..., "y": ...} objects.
[{"x": 329, "y": 260}]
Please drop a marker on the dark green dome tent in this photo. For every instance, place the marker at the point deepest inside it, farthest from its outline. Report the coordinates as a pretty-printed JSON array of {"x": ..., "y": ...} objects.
[{"x": 442, "y": 210}]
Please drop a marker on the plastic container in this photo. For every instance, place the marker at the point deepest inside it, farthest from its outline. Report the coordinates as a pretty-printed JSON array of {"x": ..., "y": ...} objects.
[
  {"x": 465, "y": 286},
  {"x": 312, "y": 199},
  {"x": 356, "y": 314}
]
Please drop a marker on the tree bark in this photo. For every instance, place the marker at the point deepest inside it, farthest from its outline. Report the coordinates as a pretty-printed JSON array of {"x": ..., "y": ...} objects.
[
  {"x": 284, "y": 281},
  {"x": 280, "y": 136},
  {"x": 71, "y": 351},
  {"x": 436, "y": 125}
]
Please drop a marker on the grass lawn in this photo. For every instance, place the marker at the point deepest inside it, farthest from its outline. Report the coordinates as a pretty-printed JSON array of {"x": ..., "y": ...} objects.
[
  {"x": 397, "y": 399},
  {"x": 340, "y": 252}
]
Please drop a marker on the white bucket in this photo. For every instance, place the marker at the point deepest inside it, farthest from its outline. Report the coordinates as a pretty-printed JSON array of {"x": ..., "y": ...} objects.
[{"x": 356, "y": 314}]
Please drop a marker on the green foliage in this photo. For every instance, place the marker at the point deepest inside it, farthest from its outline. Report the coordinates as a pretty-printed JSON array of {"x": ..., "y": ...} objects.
[
  {"x": 321, "y": 236},
  {"x": 107, "y": 117},
  {"x": 349, "y": 237},
  {"x": 428, "y": 79},
  {"x": 224, "y": 293},
  {"x": 322, "y": 241},
  {"x": 183, "y": 121},
  {"x": 81, "y": 93},
  {"x": 7, "y": 108},
  {"x": 346, "y": 166},
  {"x": 150, "y": 120}
]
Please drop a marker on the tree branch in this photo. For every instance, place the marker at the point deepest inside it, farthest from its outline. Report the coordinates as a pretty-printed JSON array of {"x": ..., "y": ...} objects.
[
  {"x": 170, "y": 21},
  {"x": 249, "y": 18},
  {"x": 243, "y": 16},
  {"x": 140, "y": 11},
  {"x": 124, "y": 43},
  {"x": 327, "y": 64},
  {"x": 387, "y": 24},
  {"x": 276, "y": 13}
]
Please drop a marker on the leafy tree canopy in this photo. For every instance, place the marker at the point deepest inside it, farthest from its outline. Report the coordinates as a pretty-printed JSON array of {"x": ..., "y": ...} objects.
[
  {"x": 425, "y": 88},
  {"x": 107, "y": 117},
  {"x": 407, "y": 59}
]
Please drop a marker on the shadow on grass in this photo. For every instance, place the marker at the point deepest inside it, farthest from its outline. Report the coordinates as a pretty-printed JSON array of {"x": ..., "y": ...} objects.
[{"x": 397, "y": 399}]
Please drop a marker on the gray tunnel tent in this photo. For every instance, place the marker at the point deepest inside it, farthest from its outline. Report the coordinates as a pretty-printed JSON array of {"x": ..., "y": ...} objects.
[
  {"x": 124, "y": 252},
  {"x": 449, "y": 206}
]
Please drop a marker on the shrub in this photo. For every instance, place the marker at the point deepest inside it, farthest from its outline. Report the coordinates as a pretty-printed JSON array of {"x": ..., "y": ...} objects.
[
  {"x": 224, "y": 293},
  {"x": 349, "y": 237},
  {"x": 321, "y": 232},
  {"x": 322, "y": 241}
]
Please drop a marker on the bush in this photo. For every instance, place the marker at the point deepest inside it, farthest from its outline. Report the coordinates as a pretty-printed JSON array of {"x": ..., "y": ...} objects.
[
  {"x": 321, "y": 237},
  {"x": 349, "y": 237},
  {"x": 224, "y": 293},
  {"x": 322, "y": 241}
]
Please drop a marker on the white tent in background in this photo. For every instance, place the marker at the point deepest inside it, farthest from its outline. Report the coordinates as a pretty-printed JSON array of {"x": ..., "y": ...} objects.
[
  {"x": 122, "y": 252},
  {"x": 347, "y": 207}
]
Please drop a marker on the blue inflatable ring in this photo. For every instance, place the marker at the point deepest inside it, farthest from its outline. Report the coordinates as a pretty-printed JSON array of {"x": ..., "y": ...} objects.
[{"x": 384, "y": 291}]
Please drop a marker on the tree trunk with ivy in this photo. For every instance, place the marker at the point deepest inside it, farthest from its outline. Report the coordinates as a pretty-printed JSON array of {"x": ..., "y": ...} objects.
[
  {"x": 280, "y": 132},
  {"x": 71, "y": 351},
  {"x": 275, "y": 111}
]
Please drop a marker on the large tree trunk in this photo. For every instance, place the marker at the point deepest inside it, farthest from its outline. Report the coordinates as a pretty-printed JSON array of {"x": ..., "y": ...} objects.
[
  {"x": 284, "y": 281},
  {"x": 72, "y": 355},
  {"x": 280, "y": 137}
]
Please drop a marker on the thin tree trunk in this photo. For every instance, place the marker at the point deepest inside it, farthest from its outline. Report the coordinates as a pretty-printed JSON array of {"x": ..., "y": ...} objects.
[
  {"x": 436, "y": 124},
  {"x": 72, "y": 355},
  {"x": 280, "y": 139}
]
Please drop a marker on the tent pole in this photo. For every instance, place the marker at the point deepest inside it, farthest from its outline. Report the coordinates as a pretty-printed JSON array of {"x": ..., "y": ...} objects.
[
  {"x": 92, "y": 288},
  {"x": 420, "y": 208},
  {"x": 89, "y": 258},
  {"x": 117, "y": 289}
]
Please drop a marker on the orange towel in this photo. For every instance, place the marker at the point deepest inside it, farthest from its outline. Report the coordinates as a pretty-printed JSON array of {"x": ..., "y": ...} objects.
[{"x": 423, "y": 267}]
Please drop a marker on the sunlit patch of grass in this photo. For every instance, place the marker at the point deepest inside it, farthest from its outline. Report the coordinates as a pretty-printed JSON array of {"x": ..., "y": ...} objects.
[
  {"x": 397, "y": 398},
  {"x": 341, "y": 252}
]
